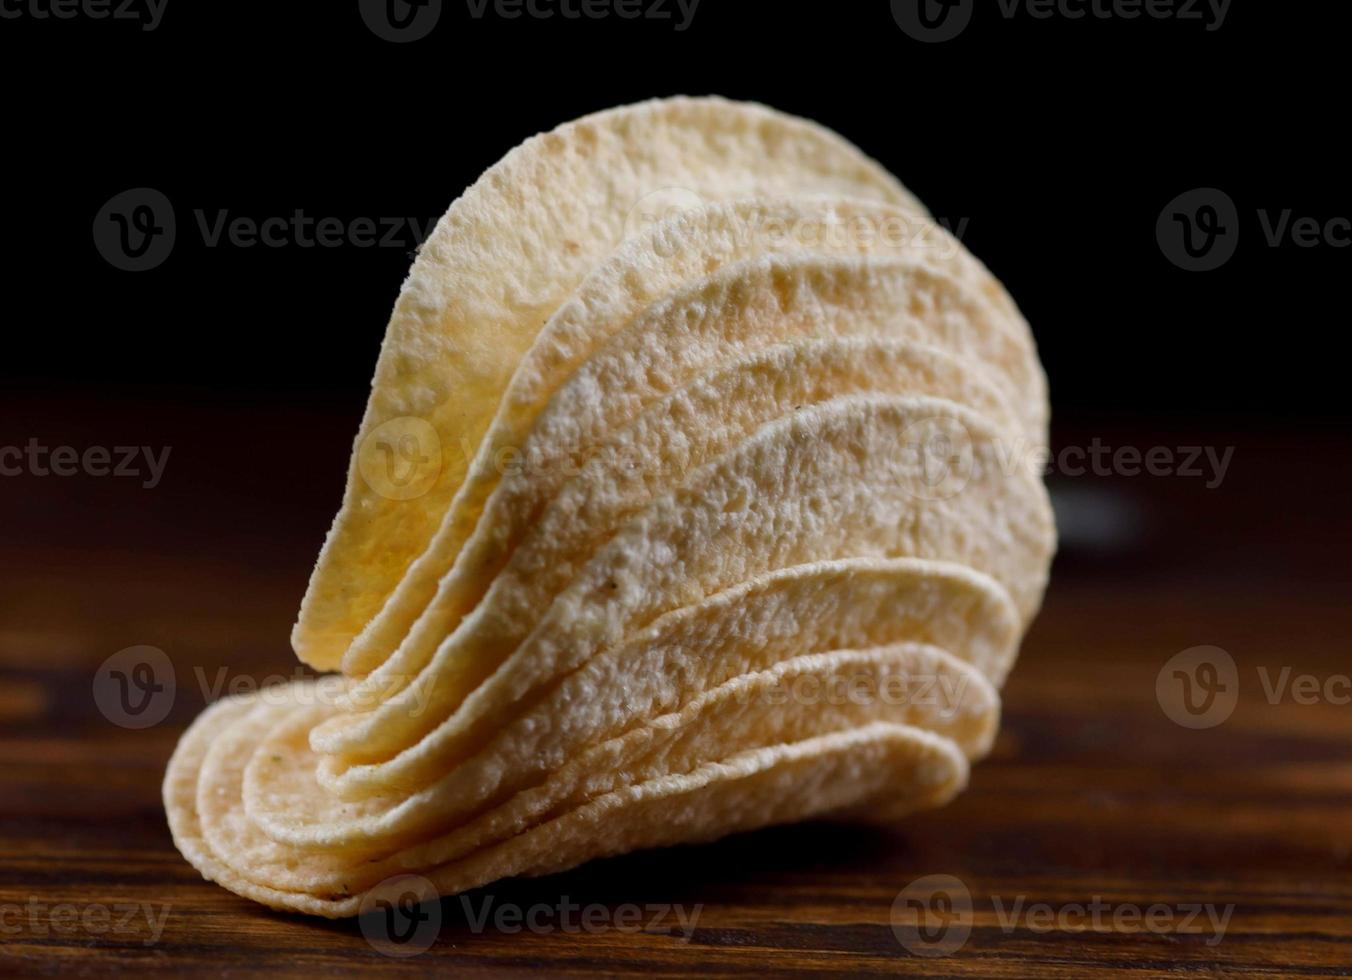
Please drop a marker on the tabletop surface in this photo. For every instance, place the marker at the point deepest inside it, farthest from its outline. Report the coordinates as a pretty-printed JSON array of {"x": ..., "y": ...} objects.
[{"x": 1101, "y": 835}]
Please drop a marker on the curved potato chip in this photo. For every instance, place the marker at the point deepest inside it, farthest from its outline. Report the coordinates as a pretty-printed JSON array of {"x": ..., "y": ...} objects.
[
  {"x": 739, "y": 309},
  {"x": 675, "y": 436},
  {"x": 847, "y": 478},
  {"x": 179, "y": 790},
  {"x": 852, "y": 603},
  {"x": 906, "y": 768},
  {"x": 646, "y": 268},
  {"x": 806, "y": 696},
  {"x": 837, "y": 772},
  {"x": 498, "y": 263}
]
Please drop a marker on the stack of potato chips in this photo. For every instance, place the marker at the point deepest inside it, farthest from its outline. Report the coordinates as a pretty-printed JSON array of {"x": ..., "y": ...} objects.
[{"x": 693, "y": 495}]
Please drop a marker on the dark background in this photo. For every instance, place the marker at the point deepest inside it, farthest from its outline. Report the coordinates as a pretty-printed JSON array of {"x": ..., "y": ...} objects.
[{"x": 1058, "y": 141}]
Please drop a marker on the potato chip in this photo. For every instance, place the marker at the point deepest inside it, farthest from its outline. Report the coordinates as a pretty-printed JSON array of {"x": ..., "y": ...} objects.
[
  {"x": 674, "y": 253},
  {"x": 677, "y": 434},
  {"x": 827, "y": 482},
  {"x": 795, "y": 700},
  {"x": 908, "y": 768},
  {"x": 494, "y": 269},
  {"x": 849, "y": 604},
  {"x": 739, "y": 309}
]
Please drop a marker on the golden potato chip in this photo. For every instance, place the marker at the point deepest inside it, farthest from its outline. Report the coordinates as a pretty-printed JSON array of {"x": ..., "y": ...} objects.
[
  {"x": 739, "y": 309},
  {"x": 646, "y": 268},
  {"x": 845, "y": 604},
  {"x": 907, "y": 767},
  {"x": 795, "y": 700},
  {"x": 827, "y": 482},
  {"x": 681, "y": 432},
  {"x": 496, "y": 266}
]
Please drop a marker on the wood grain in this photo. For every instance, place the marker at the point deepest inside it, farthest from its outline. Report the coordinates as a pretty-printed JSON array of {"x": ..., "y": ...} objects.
[{"x": 1092, "y": 793}]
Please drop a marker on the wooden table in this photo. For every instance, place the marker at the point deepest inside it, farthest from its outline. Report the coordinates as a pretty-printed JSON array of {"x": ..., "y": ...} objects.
[{"x": 1093, "y": 797}]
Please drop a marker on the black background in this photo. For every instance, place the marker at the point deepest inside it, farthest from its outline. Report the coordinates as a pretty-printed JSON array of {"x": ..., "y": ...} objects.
[{"x": 1058, "y": 141}]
